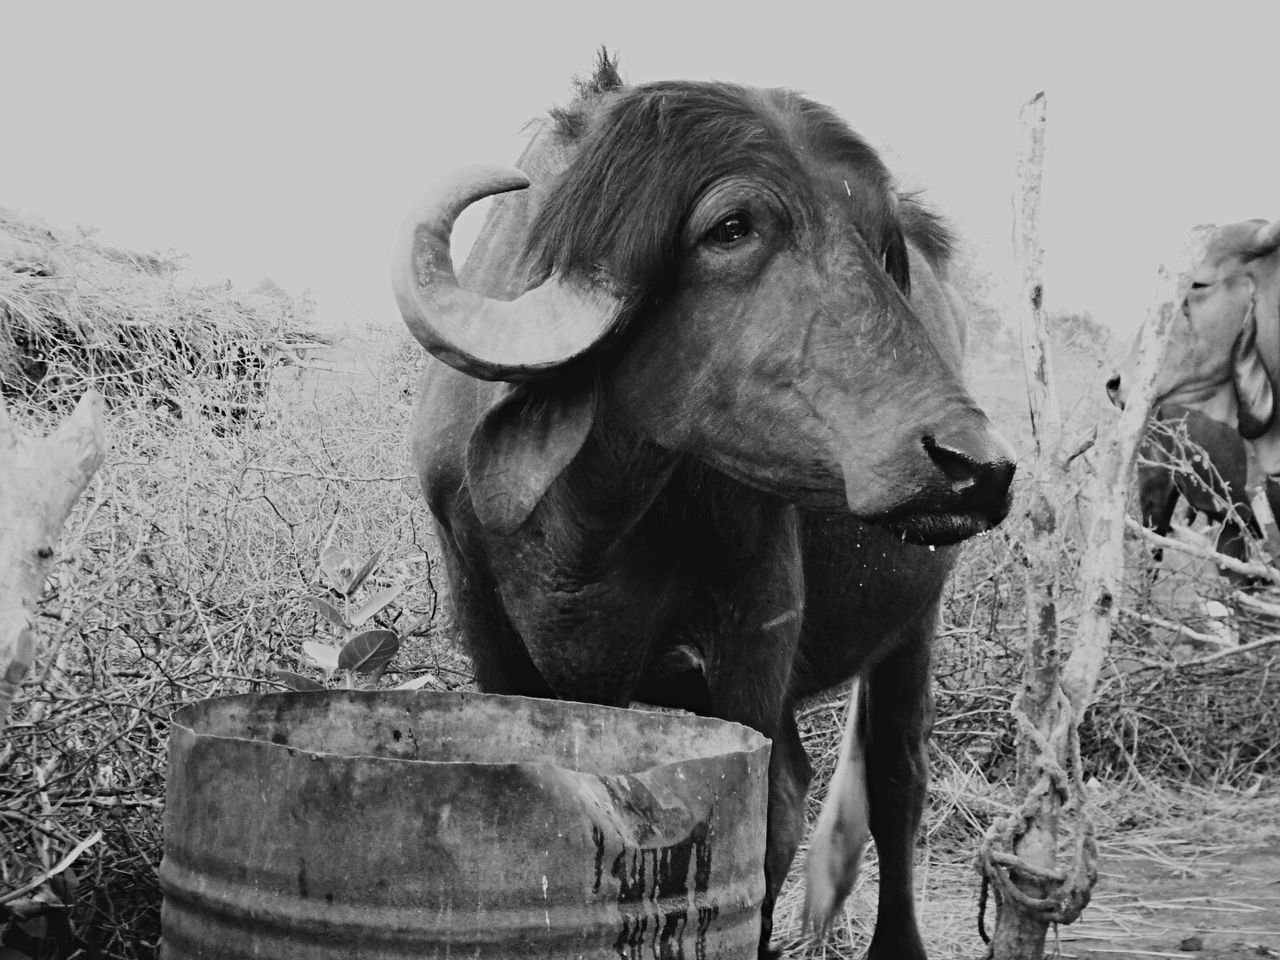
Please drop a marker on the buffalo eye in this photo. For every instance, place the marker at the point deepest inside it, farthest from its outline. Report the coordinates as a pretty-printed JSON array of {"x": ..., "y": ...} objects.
[
  {"x": 730, "y": 229},
  {"x": 1196, "y": 285}
]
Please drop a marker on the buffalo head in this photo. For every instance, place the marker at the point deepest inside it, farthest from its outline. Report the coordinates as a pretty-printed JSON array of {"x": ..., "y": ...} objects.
[
  {"x": 1224, "y": 349},
  {"x": 729, "y": 275}
]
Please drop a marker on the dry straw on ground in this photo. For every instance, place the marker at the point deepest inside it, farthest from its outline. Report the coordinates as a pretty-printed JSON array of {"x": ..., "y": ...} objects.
[{"x": 183, "y": 567}]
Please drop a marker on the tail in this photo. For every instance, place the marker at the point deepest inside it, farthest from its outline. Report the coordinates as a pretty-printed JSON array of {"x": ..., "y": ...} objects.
[{"x": 839, "y": 836}]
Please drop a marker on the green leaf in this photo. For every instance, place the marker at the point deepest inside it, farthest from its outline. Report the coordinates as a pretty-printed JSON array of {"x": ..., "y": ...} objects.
[
  {"x": 337, "y": 566},
  {"x": 328, "y": 611},
  {"x": 369, "y": 652},
  {"x": 296, "y": 681},
  {"x": 323, "y": 655},
  {"x": 375, "y": 603},
  {"x": 364, "y": 571},
  {"x": 417, "y": 683}
]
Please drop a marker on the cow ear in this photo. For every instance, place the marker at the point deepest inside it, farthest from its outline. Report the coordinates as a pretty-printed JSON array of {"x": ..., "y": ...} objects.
[
  {"x": 522, "y": 443},
  {"x": 1254, "y": 396}
]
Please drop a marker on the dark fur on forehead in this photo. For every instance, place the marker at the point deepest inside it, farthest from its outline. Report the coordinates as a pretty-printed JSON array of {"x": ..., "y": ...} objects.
[
  {"x": 571, "y": 121},
  {"x": 604, "y": 77},
  {"x": 645, "y": 155}
]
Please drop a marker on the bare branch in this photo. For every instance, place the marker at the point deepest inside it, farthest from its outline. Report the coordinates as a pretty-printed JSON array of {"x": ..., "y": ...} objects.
[
  {"x": 1260, "y": 570},
  {"x": 1195, "y": 636},
  {"x": 335, "y": 477},
  {"x": 1232, "y": 651},
  {"x": 57, "y": 868},
  {"x": 1102, "y": 568},
  {"x": 1041, "y": 395},
  {"x": 1256, "y": 605}
]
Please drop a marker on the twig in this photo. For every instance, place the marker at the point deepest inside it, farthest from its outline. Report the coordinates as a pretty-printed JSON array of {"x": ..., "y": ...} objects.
[
  {"x": 817, "y": 709},
  {"x": 1262, "y": 571},
  {"x": 336, "y": 477},
  {"x": 1230, "y": 652},
  {"x": 1080, "y": 446},
  {"x": 156, "y": 803},
  {"x": 58, "y": 867},
  {"x": 1254, "y": 605},
  {"x": 1181, "y": 628},
  {"x": 214, "y": 659}
]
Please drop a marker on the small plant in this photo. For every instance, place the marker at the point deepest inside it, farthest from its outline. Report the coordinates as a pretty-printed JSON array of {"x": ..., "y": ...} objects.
[{"x": 364, "y": 650}]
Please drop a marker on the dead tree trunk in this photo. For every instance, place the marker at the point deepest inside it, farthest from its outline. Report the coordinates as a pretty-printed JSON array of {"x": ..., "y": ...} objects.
[
  {"x": 1017, "y": 933},
  {"x": 40, "y": 480},
  {"x": 1042, "y": 395},
  {"x": 1109, "y": 479},
  {"x": 1019, "y": 854}
]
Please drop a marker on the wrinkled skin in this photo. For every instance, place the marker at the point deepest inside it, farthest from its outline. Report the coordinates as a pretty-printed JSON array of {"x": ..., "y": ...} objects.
[
  {"x": 1223, "y": 358},
  {"x": 713, "y": 514},
  {"x": 1220, "y": 471}
]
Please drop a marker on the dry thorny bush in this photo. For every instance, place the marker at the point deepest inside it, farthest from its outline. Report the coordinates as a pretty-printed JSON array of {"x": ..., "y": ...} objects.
[
  {"x": 73, "y": 311},
  {"x": 183, "y": 567},
  {"x": 182, "y": 576},
  {"x": 182, "y": 573}
]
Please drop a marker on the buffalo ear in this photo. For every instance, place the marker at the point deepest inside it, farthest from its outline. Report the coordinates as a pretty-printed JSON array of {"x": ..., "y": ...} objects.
[
  {"x": 1253, "y": 387},
  {"x": 521, "y": 445}
]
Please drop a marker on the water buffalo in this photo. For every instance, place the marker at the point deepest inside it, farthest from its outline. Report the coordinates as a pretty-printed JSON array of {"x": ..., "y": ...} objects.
[
  {"x": 1224, "y": 354},
  {"x": 699, "y": 435},
  {"x": 1210, "y": 476}
]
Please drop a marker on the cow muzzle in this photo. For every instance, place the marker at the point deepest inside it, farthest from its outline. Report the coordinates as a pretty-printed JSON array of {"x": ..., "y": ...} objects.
[{"x": 968, "y": 490}]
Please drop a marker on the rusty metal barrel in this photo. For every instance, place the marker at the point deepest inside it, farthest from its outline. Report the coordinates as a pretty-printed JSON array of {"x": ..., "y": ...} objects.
[{"x": 404, "y": 824}]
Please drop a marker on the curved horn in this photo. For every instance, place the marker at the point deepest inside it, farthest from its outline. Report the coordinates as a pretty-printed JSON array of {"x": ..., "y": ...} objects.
[
  {"x": 512, "y": 340},
  {"x": 1267, "y": 238}
]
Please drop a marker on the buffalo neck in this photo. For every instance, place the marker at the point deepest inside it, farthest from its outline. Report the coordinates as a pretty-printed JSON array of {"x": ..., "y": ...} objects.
[{"x": 626, "y": 501}]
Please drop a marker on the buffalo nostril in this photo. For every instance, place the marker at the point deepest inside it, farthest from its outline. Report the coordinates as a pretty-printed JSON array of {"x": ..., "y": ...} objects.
[
  {"x": 979, "y": 469},
  {"x": 961, "y": 469}
]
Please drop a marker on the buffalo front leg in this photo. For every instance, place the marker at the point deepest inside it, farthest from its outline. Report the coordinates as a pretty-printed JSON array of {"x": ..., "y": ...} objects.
[
  {"x": 789, "y": 775},
  {"x": 1157, "y": 496},
  {"x": 756, "y": 630},
  {"x": 1233, "y": 542},
  {"x": 899, "y": 722},
  {"x": 1272, "y": 488}
]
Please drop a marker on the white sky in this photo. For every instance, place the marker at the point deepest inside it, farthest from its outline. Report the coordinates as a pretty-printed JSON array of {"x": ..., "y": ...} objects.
[{"x": 286, "y": 139}]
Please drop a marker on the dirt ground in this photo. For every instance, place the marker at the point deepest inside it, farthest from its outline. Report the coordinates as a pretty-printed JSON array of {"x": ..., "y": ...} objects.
[
  {"x": 1222, "y": 904},
  {"x": 1192, "y": 874},
  {"x": 1204, "y": 889}
]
